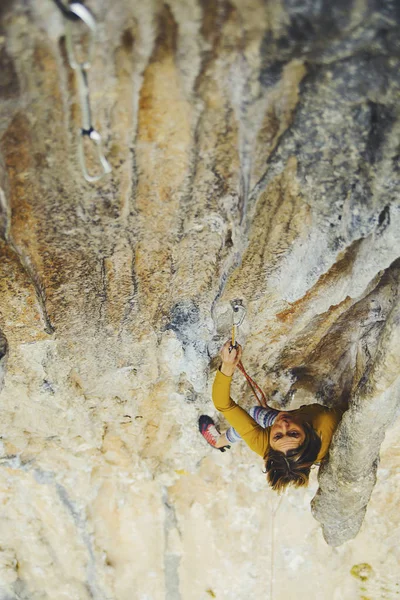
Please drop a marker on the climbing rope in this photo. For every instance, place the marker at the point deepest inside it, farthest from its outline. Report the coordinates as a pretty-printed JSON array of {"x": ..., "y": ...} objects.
[
  {"x": 255, "y": 388},
  {"x": 72, "y": 13},
  {"x": 239, "y": 313}
]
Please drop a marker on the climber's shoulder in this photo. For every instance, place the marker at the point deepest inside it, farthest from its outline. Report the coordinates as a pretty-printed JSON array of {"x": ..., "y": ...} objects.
[
  {"x": 321, "y": 417},
  {"x": 311, "y": 410}
]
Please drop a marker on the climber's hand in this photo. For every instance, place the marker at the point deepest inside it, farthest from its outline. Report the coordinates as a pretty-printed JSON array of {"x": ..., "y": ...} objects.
[{"x": 231, "y": 356}]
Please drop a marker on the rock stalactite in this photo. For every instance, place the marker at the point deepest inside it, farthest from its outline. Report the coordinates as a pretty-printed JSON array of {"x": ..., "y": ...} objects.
[
  {"x": 347, "y": 480},
  {"x": 255, "y": 155}
]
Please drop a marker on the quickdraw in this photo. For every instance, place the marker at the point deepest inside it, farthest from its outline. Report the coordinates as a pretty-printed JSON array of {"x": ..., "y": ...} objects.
[
  {"x": 72, "y": 13},
  {"x": 239, "y": 314}
]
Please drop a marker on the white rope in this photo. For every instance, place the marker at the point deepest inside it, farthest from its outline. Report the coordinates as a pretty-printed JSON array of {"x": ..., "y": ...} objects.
[{"x": 72, "y": 13}]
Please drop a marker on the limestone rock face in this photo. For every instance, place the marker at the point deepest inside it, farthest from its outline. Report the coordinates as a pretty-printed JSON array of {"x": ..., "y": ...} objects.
[{"x": 254, "y": 149}]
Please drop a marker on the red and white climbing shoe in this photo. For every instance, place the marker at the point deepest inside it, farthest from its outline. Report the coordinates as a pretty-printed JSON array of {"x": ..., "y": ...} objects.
[{"x": 210, "y": 433}]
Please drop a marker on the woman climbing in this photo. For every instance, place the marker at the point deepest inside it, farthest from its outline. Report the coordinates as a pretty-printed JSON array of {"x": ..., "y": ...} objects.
[{"x": 290, "y": 442}]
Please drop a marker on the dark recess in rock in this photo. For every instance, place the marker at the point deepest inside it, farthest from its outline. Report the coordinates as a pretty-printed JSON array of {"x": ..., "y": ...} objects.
[
  {"x": 3, "y": 346},
  {"x": 127, "y": 40},
  {"x": 185, "y": 316},
  {"x": 228, "y": 239},
  {"x": 9, "y": 84},
  {"x": 384, "y": 218},
  {"x": 382, "y": 119},
  {"x": 270, "y": 74}
]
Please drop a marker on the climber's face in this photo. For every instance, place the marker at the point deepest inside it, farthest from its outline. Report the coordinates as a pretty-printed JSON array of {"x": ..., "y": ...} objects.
[{"x": 286, "y": 433}]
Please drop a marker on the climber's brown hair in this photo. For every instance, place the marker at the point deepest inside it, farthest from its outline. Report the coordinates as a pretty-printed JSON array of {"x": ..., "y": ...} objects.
[{"x": 293, "y": 468}]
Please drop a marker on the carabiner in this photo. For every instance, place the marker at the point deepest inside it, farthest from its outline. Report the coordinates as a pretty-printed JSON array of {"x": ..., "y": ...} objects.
[
  {"x": 239, "y": 312},
  {"x": 82, "y": 13},
  {"x": 238, "y": 316},
  {"x": 95, "y": 137},
  {"x": 73, "y": 12}
]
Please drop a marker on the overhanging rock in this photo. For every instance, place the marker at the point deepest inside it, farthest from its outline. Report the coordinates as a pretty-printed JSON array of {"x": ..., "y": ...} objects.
[{"x": 347, "y": 480}]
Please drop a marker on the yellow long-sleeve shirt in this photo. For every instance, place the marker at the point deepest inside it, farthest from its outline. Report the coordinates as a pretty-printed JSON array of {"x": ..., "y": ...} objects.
[{"x": 323, "y": 420}]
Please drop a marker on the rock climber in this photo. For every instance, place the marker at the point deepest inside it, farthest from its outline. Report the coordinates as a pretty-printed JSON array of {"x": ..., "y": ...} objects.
[{"x": 290, "y": 442}]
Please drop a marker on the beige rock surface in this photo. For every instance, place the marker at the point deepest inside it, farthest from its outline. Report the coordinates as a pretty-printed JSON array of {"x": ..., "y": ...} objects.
[{"x": 254, "y": 153}]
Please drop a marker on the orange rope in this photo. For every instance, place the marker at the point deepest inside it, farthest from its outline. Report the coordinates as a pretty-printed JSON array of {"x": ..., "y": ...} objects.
[{"x": 261, "y": 398}]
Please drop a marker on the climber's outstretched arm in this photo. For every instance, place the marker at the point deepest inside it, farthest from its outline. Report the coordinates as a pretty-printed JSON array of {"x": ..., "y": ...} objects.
[
  {"x": 231, "y": 357},
  {"x": 252, "y": 433}
]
